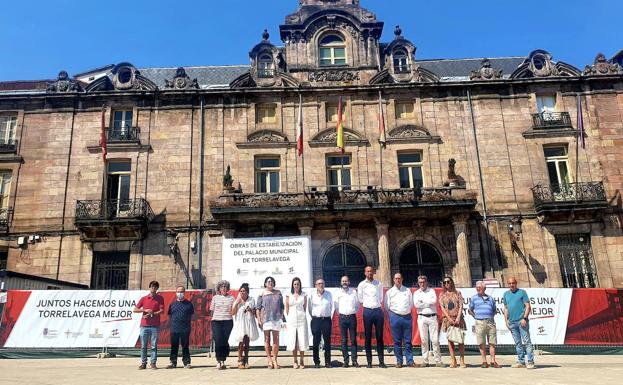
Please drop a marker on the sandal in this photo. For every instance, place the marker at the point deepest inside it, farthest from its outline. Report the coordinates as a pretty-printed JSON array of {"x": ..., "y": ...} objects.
[
  {"x": 275, "y": 364},
  {"x": 453, "y": 364},
  {"x": 484, "y": 365},
  {"x": 270, "y": 365},
  {"x": 463, "y": 365},
  {"x": 495, "y": 365},
  {"x": 295, "y": 365}
]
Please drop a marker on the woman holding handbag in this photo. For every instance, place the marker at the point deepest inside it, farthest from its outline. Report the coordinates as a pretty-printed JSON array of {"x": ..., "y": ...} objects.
[{"x": 453, "y": 324}]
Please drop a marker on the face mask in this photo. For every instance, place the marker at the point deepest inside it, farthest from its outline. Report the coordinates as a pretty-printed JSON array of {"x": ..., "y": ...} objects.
[
  {"x": 180, "y": 296},
  {"x": 345, "y": 286}
]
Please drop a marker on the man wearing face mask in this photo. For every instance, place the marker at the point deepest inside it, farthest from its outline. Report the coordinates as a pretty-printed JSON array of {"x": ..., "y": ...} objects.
[
  {"x": 180, "y": 314},
  {"x": 346, "y": 305}
]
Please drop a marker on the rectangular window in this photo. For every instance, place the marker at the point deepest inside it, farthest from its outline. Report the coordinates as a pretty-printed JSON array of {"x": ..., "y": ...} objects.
[
  {"x": 332, "y": 56},
  {"x": 4, "y": 258},
  {"x": 338, "y": 172},
  {"x": 332, "y": 113},
  {"x": 556, "y": 159},
  {"x": 118, "y": 187},
  {"x": 7, "y": 128},
  {"x": 122, "y": 121},
  {"x": 404, "y": 110},
  {"x": 546, "y": 103},
  {"x": 5, "y": 188},
  {"x": 266, "y": 114},
  {"x": 576, "y": 260},
  {"x": 410, "y": 170},
  {"x": 111, "y": 270},
  {"x": 267, "y": 175}
]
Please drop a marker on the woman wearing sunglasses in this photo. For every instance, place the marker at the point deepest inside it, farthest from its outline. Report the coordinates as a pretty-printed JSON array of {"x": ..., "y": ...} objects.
[{"x": 453, "y": 324}]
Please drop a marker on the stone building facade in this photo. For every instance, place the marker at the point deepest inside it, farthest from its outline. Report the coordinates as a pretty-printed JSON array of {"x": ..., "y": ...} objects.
[{"x": 484, "y": 172}]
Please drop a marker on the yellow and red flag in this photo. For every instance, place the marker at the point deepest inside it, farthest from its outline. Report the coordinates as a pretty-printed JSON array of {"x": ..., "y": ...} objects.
[{"x": 340, "y": 127}]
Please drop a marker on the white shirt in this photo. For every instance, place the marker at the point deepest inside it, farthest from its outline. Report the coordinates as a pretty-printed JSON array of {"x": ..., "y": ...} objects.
[
  {"x": 346, "y": 301},
  {"x": 320, "y": 305},
  {"x": 370, "y": 294},
  {"x": 425, "y": 301},
  {"x": 399, "y": 301}
]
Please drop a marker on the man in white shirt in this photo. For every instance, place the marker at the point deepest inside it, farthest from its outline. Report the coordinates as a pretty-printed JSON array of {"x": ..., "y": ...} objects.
[
  {"x": 320, "y": 308},
  {"x": 425, "y": 301},
  {"x": 370, "y": 293},
  {"x": 398, "y": 302},
  {"x": 346, "y": 305}
]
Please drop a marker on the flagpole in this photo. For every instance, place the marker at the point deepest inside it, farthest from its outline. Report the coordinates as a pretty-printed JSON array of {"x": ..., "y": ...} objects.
[
  {"x": 300, "y": 127},
  {"x": 380, "y": 142},
  {"x": 579, "y": 137}
]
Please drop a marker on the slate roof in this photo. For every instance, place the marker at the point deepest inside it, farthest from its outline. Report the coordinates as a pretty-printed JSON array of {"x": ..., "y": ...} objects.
[
  {"x": 461, "y": 68},
  {"x": 207, "y": 77}
]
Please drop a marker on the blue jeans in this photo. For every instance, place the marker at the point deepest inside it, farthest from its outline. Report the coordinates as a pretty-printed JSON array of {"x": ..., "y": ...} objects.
[
  {"x": 401, "y": 328},
  {"x": 523, "y": 345},
  {"x": 149, "y": 332}
]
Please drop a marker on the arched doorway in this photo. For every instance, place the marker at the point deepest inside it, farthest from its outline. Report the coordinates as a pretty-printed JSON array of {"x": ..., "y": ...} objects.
[
  {"x": 343, "y": 259},
  {"x": 421, "y": 258}
]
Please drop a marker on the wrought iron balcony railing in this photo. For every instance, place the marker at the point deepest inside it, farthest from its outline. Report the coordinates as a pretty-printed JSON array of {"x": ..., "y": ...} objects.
[
  {"x": 580, "y": 192},
  {"x": 265, "y": 73},
  {"x": 6, "y": 214},
  {"x": 113, "y": 210},
  {"x": 127, "y": 134},
  {"x": 402, "y": 69},
  {"x": 8, "y": 146},
  {"x": 319, "y": 196},
  {"x": 545, "y": 120}
]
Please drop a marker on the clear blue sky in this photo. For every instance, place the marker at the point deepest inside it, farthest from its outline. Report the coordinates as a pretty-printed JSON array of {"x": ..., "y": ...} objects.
[{"x": 38, "y": 38}]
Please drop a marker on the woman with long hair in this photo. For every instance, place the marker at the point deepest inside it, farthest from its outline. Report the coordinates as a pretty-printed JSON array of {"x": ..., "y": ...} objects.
[
  {"x": 296, "y": 323},
  {"x": 245, "y": 328},
  {"x": 269, "y": 312},
  {"x": 222, "y": 321},
  {"x": 453, "y": 324}
]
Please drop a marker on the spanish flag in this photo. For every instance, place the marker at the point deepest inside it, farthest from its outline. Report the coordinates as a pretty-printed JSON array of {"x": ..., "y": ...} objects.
[{"x": 340, "y": 127}]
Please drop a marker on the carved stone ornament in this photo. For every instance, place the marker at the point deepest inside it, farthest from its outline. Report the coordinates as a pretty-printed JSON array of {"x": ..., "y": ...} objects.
[
  {"x": 64, "y": 84},
  {"x": 334, "y": 76},
  {"x": 331, "y": 136},
  {"x": 266, "y": 136},
  {"x": 541, "y": 65},
  {"x": 601, "y": 66},
  {"x": 181, "y": 81},
  {"x": 410, "y": 131},
  {"x": 228, "y": 180},
  {"x": 485, "y": 72}
]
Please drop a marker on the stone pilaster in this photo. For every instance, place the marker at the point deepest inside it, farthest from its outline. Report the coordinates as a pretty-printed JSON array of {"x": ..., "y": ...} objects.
[
  {"x": 462, "y": 272},
  {"x": 383, "y": 272},
  {"x": 306, "y": 227},
  {"x": 229, "y": 229}
]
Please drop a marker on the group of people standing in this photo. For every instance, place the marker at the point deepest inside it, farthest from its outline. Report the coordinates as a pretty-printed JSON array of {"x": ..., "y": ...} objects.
[{"x": 242, "y": 316}]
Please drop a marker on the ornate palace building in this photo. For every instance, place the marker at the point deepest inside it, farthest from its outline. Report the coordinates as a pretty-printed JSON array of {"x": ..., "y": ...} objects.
[{"x": 485, "y": 169}]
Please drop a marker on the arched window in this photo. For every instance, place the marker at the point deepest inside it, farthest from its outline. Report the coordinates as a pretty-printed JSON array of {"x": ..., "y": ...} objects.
[
  {"x": 332, "y": 51},
  {"x": 421, "y": 258},
  {"x": 343, "y": 259},
  {"x": 401, "y": 63},
  {"x": 265, "y": 66}
]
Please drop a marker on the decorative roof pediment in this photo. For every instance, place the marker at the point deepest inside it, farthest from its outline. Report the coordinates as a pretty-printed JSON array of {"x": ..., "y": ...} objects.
[
  {"x": 64, "y": 83},
  {"x": 486, "y": 72},
  {"x": 123, "y": 77},
  {"x": 328, "y": 138},
  {"x": 411, "y": 133},
  {"x": 539, "y": 64},
  {"x": 248, "y": 80},
  {"x": 181, "y": 81},
  {"x": 602, "y": 67},
  {"x": 266, "y": 138}
]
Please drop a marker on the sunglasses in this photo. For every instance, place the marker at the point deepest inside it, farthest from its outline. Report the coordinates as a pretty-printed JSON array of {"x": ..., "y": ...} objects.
[{"x": 444, "y": 282}]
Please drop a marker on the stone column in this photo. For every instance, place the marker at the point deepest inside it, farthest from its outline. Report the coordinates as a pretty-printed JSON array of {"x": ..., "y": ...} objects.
[
  {"x": 462, "y": 272},
  {"x": 306, "y": 226},
  {"x": 383, "y": 272},
  {"x": 229, "y": 229}
]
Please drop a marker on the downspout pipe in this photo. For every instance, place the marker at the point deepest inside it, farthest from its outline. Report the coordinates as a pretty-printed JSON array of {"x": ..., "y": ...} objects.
[
  {"x": 482, "y": 184},
  {"x": 200, "y": 282}
]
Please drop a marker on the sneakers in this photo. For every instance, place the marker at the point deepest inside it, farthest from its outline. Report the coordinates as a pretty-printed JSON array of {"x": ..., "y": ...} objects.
[
  {"x": 171, "y": 366},
  {"x": 519, "y": 366},
  {"x": 188, "y": 366},
  {"x": 530, "y": 365}
]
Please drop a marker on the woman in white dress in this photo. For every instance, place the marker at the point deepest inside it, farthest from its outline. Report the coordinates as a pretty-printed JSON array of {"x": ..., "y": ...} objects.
[
  {"x": 245, "y": 328},
  {"x": 296, "y": 323}
]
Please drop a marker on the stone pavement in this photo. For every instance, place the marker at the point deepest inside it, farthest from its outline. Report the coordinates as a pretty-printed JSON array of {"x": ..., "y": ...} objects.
[{"x": 551, "y": 369}]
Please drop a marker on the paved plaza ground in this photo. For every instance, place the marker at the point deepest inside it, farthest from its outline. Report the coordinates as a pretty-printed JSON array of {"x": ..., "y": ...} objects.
[{"x": 551, "y": 369}]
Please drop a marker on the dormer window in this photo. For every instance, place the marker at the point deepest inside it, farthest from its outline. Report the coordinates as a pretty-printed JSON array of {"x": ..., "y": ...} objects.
[
  {"x": 265, "y": 68},
  {"x": 401, "y": 63},
  {"x": 332, "y": 51}
]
